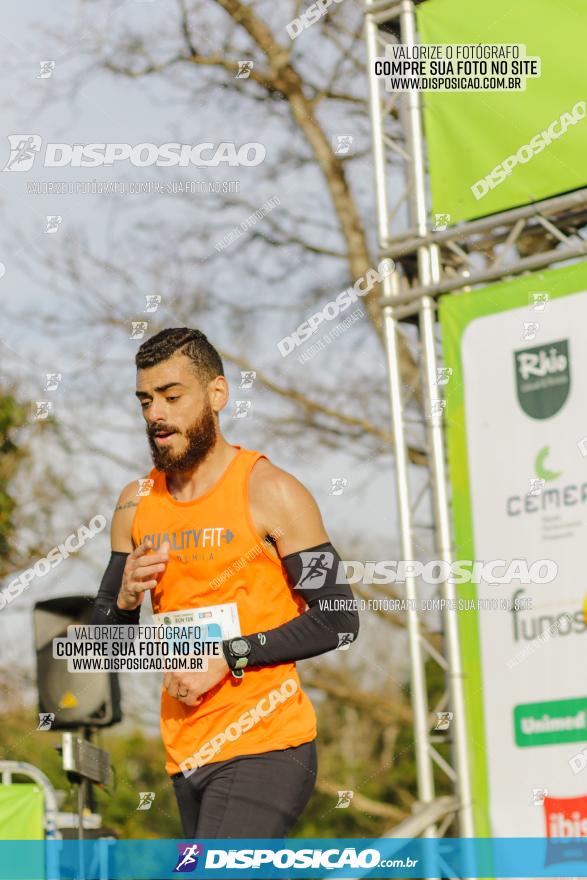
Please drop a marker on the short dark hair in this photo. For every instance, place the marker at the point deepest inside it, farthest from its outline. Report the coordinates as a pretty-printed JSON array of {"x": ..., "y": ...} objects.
[{"x": 206, "y": 361}]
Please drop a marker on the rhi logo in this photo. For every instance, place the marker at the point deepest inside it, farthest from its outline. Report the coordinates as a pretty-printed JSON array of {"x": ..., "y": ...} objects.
[
  {"x": 146, "y": 799},
  {"x": 338, "y": 485},
  {"x": 53, "y": 381},
  {"x": 537, "y": 484},
  {"x": 443, "y": 720},
  {"x": 344, "y": 799},
  {"x": 443, "y": 375},
  {"x": 247, "y": 379},
  {"x": 244, "y": 70},
  {"x": 152, "y": 302},
  {"x": 315, "y": 567},
  {"x": 440, "y": 222},
  {"x": 43, "y": 409},
  {"x": 543, "y": 378},
  {"x": 46, "y": 719},
  {"x": 530, "y": 330},
  {"x": 47, "y": 68},
  {"x": 538, "y": 795},
  {"x": 241, "y": 409},
  {"x": 145, "y": 487},
  {"x": 582, "y": 445},
  {"x": 345, "y": 640},
  {"x": 138, "y": 329},
  {"x": 342, "y": 143},
  {"x": 52, "y": 223},
  {"x": 539, "y": 301}
]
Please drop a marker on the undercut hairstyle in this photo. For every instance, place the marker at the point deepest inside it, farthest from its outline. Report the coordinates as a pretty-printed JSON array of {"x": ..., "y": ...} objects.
[{"x": 206, "y": 361}]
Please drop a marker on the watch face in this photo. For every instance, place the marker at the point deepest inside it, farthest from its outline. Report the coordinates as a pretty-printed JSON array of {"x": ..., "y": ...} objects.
[{"x": 240, "y": 647}]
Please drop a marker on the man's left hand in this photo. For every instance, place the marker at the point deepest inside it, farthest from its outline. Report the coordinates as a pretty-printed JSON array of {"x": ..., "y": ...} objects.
[{"x": 188, "y": 687}]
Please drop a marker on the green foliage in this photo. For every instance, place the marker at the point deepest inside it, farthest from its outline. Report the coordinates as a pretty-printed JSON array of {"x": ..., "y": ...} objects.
[
  {"x": 354, "y": 754},
  {"x": 31, "y": 489},
  {"x": 139, "y": 763},
  {"x": 140, "y": 766},
  {"x": 12, "y": 417}
]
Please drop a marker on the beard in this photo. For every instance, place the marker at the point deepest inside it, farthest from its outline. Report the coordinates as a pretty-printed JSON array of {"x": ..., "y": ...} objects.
[{"x": 201, "y": 437}]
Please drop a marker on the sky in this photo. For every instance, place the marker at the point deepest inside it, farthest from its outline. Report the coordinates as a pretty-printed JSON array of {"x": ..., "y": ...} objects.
[{"x": 54, "y": 323}]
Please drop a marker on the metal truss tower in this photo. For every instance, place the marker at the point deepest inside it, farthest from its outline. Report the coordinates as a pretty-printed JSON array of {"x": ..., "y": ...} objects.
[{"x": 431, "y": 262}]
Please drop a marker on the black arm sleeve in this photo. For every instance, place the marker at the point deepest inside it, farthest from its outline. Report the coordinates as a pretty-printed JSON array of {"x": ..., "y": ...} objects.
[
  {"x": 105, "y": 610},
  {"x": 332, "y": 619}
]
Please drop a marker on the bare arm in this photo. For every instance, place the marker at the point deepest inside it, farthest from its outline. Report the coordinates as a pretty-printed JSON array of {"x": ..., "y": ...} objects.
[
  {"x": 131, "y": 571},
  {"x": 122, "y": 519},
  {"x": 282, "y": 507}
]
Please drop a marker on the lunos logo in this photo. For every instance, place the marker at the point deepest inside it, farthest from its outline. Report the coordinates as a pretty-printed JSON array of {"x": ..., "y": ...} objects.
[{"x": 543, "y": 378}]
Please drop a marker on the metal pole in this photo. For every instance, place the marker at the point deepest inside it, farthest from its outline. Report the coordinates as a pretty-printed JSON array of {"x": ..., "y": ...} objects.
[
  {"x": 418, "y": 678},
  {"x": 417, "y": 178},
  {"x": 376, "y": 115},
  {"x": 429, "y": 271},
  {"x": 460, "y": 745},
  {"x": 424, "y": 767}
]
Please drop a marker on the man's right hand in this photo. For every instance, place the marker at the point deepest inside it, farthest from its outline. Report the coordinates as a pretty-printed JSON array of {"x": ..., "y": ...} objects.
[{"x": 141, "y": 573}]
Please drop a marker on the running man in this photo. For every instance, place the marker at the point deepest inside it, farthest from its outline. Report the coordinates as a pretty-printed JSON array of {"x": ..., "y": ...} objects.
[{"x": 219, "y": 524}]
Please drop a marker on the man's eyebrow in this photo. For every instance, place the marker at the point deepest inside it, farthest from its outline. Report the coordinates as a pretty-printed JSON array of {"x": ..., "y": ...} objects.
[{"x": 160, "y": 389}]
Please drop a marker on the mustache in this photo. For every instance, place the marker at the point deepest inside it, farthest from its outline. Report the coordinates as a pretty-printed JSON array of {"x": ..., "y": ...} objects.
[{"x": 155, "y": 430}]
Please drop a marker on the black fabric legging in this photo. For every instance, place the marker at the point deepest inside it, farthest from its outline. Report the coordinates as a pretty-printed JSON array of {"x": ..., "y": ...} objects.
[{"x": 249, "y": 796}]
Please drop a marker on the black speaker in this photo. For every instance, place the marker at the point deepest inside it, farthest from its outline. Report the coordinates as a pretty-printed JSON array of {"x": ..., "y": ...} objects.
[{"x": 77, "y": 699}]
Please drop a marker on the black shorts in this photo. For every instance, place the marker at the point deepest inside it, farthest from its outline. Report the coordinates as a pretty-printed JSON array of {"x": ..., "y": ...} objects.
[{"x": 248, "y": 796}]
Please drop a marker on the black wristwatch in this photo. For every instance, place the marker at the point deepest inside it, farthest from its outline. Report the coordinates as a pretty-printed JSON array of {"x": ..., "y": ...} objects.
[{"x": 236, "y": 652}]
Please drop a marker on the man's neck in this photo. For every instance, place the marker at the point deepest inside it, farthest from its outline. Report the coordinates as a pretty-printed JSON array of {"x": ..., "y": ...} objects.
[{"x": 189, "y": 485}]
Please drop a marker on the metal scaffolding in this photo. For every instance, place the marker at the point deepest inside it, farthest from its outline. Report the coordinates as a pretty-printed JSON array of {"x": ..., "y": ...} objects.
[{"x": 431, "y": 262}]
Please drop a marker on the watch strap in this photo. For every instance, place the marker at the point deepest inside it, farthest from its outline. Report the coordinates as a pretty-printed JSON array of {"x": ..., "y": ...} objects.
[{"x": 233, "y": 662}]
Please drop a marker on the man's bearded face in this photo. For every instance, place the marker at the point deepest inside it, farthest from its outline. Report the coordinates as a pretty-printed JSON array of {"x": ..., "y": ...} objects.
[{"x": 174, "y": 451}]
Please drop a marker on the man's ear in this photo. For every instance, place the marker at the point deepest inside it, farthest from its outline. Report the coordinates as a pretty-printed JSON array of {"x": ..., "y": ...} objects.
[{"x": 218, "y": 393}]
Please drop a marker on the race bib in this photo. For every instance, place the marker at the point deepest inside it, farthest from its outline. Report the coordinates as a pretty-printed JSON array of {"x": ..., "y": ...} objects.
[{"x": 215, "y": 621}]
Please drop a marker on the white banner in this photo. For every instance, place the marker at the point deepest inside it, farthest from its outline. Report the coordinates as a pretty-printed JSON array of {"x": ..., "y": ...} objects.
[{"x": 526, "y": 415}]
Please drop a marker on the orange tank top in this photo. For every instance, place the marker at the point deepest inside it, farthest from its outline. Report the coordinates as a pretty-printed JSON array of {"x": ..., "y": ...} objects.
[{"x": 216, "y": 556}]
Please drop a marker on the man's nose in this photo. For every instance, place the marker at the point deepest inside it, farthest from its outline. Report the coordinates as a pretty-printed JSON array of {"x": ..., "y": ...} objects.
[
  {"x": 155, "y": 419},
  {"x": 156, "y": 415}
]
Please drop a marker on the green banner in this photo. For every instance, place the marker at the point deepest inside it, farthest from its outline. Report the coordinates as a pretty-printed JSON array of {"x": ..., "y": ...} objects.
[
  {"x": 490, "y": 151},
  {"x": 21, "y": 812},
  {"x": 523, "y": 669}
]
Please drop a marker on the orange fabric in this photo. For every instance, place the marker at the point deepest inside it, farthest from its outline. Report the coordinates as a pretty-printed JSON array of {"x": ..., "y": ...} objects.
[{"x": 209, "y": 538}]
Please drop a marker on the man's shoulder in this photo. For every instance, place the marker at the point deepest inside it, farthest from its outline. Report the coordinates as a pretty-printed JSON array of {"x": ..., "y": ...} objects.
[
  {"x": 273, "y": 484},
  {"x": 124, "y": 514},
  {"x": 132, "y": 493}
]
